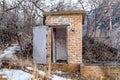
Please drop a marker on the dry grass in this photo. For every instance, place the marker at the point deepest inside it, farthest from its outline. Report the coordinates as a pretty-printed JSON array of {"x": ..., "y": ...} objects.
[
  {"x": 73, "y": 75},
  {"x": 105, "y": 73},
  {"x": 97, "y": 51},
  {"x": 28, "y": 62},
  {"x": 35, "y": 74},
  {"x": 22, "y": 63}
]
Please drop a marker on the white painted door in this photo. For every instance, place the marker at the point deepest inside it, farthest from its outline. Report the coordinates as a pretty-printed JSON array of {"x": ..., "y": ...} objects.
[{"x": 39, "y": 45}]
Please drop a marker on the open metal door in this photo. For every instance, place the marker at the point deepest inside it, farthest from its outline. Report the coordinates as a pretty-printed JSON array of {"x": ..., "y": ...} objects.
[{"x": 39, "y": 44}]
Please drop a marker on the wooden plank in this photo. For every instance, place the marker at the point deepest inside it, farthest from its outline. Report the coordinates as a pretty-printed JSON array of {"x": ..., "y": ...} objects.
[
  {"x": 66, "y": 67},
  {"x": 49, "y": 53},
  {"x": 64, "y": 13}
]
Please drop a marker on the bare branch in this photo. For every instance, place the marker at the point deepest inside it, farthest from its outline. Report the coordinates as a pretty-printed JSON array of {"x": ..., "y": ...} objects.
[
  {"x": 35, "y": 4},
  {"x": 14, "y": 6}
]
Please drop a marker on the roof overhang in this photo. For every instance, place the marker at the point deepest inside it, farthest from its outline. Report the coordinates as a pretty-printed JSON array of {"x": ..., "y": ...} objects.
[{"x": 80, "y": 12}]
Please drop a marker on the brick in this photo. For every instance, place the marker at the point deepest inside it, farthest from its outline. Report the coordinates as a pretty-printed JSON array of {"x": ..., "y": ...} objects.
[{"x": 74, "y": 38}]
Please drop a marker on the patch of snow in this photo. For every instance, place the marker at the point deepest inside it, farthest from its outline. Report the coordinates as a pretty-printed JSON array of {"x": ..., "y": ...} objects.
[
  {"x": 16, "y": 74},
  {"x": 8, "y": 53},
  {"x": 12, "y": 74},
  {"x": 55, "y": 77},
  {"x": 29, "y": 68},
  {"x": 59, "y": 72},
  {"x": 41, "y": 73}
]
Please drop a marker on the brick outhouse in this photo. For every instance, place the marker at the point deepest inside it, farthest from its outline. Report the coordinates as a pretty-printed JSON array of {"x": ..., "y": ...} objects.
[{"x": 64, "y": 36}]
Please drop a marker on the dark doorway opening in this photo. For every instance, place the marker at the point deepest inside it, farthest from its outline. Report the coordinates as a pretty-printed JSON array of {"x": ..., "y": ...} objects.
[{"x": 59, "y": 45}]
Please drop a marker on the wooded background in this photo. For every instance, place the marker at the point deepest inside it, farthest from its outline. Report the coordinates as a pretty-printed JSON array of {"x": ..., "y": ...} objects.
[{"x": 18, "y": 17}]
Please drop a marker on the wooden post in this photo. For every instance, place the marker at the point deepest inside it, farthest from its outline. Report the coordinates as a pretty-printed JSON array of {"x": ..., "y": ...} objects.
[
  {"x": 49, "y": 53},
  {"x": 49, "y": 66}
]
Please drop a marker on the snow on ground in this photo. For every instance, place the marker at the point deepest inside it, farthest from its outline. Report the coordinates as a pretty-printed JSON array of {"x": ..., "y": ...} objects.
[
  {"x": 55, "y": 77},
  {"x": 29, "y": 68},
  {"x": 59, "y": 72},
  {"x": 12, "y": 74},
  {"x": 15, "y": 74},
  {"x": 41, "y": 73},
  {"x": 9, "y": 52}
]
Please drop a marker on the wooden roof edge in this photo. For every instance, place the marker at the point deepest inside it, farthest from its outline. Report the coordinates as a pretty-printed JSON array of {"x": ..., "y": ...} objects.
[{"x": 64, "y": 13}]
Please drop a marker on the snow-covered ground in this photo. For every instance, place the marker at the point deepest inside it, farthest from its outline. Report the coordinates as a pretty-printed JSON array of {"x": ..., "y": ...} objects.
[
  {"x": 55, "y": 77},
  {"x": 12, "y": 74},
  {"x": 9, "y": 52},
  {"x": 15, "y": 74}
]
